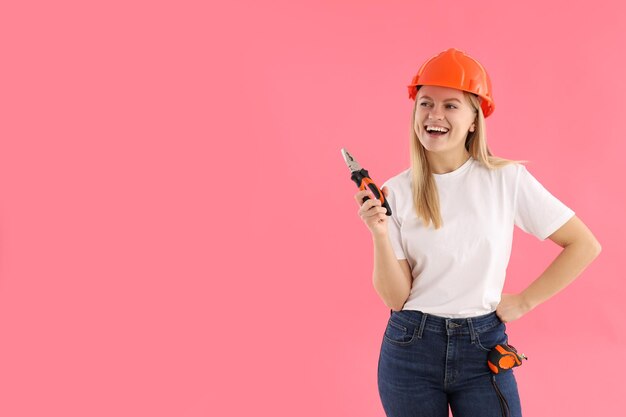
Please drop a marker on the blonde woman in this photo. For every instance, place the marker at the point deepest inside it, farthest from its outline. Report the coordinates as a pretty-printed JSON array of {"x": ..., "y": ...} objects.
[{"x": 440, "y": 258}]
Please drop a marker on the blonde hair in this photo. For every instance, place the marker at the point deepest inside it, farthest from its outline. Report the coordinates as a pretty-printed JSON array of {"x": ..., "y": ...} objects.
[{"x": 425, "y": 195}]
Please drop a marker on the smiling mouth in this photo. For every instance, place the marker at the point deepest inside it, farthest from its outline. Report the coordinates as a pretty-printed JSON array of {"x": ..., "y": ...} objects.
[{"x": 438, "y": 132}]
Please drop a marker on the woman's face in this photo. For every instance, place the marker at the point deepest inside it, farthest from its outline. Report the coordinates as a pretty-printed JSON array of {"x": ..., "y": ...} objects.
[{"x": 447, "y": 108}]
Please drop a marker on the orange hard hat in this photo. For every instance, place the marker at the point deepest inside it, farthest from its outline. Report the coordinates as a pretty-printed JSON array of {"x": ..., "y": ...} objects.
[{"x": 456, "y": 69}]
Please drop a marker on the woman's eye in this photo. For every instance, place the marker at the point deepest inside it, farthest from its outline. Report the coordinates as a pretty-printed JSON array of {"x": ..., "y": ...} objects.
[{"x": 423, "y": 104}]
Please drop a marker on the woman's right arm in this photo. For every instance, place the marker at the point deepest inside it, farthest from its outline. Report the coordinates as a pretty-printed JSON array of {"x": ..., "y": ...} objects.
[{"x": 392, "y": 277}]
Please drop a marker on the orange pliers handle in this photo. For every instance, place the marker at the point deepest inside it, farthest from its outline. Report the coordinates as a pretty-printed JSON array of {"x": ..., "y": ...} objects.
[{"x": 363, "y": 181}]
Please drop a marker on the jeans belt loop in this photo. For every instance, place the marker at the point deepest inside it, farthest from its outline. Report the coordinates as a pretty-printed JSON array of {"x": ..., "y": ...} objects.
[
  {"x": 471, "y": 327},
  {"x": 421, "y": 329}
]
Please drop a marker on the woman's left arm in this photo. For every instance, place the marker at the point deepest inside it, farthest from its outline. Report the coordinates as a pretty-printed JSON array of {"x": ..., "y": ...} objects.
[{"x": 580, "y": 247}]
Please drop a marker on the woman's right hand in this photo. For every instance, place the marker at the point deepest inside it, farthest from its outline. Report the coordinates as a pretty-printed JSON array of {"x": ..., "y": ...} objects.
[{"x": 373, "y": 215}]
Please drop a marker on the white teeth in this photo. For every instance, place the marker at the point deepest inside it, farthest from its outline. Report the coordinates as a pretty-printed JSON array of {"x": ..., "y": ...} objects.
[{"x": 436, "y": 128}]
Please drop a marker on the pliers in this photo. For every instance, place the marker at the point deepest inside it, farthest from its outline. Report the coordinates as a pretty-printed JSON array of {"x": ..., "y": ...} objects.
[{"x": 362, "y": 179}]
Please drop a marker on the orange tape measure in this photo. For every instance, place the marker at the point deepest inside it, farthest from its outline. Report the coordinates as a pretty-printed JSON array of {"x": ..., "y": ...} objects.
[{"x": 504, "y": 357}]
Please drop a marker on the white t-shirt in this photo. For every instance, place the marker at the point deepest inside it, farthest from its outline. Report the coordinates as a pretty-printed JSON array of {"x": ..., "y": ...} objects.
[{"x": 459, "y": 270}]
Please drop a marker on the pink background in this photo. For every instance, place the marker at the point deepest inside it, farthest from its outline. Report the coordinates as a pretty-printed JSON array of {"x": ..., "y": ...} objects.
[{"x": 178, "y": 234}]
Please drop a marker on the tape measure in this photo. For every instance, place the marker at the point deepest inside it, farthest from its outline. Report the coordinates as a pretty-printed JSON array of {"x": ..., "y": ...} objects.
[
  {"x": 501, "y": 359},
  {"x": 504, "y": 357}
]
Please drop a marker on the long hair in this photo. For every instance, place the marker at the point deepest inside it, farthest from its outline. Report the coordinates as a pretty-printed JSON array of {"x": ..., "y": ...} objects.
[{"x": 425, "y": 194}]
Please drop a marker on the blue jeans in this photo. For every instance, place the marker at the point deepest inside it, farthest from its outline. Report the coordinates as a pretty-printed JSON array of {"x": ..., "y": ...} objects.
[{"x": 428, "y": 362}]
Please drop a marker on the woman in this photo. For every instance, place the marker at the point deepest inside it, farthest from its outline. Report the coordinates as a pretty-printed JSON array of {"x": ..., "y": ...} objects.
[{"x": 440, "y": 258}]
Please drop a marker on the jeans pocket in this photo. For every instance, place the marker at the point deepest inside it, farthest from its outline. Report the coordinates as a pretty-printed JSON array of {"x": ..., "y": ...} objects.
[
  {"x": 399, "y": 333},
  {"x": 488, "y": 339}
]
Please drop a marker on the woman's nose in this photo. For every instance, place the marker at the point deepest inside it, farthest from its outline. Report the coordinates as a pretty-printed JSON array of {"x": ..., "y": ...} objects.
[{"x": 435, "y": 113}]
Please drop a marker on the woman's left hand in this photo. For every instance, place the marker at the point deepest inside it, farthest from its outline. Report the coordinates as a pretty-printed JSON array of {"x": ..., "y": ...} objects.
[{"x": 511, "y": 307}]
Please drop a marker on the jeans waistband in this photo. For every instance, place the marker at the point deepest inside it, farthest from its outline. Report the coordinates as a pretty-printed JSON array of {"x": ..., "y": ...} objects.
[{"x": 445, "y": 324}]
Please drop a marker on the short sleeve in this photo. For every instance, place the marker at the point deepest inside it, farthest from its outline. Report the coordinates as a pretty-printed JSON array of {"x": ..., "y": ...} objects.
[
  {"x": 393, "y": 223},
  {"x": 537, "y": 211}
]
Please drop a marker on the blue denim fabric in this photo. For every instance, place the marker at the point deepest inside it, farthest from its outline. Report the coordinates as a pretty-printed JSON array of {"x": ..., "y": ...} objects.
[{"x": 428, "y": 362}]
